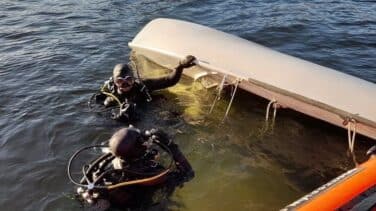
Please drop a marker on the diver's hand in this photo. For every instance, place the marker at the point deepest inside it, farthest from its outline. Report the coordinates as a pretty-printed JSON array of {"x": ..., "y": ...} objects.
[
  {"x": 161, "y": 136},
  {"x": 109, "y": 101},
  {"x": 185, "y": 169},
  {"x": 189, "y": 61},
  {"x": 99, "y": 97}
]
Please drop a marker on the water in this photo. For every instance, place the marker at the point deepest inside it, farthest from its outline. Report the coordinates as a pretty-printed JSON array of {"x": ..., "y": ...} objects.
[{"x": 55, "y": 54}]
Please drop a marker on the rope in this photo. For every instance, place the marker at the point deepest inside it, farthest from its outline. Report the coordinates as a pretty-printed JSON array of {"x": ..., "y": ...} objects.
[
  {"x": 268, "y": 109},
  {"x": 218, "y": 97},
  {"x": 351, "y": 133},
  {"x": 133, "y": 66},
  {"x": 232, "y": 99},
  {"x": 144, "y": 89},
  {"x": 275, "y": 106}
]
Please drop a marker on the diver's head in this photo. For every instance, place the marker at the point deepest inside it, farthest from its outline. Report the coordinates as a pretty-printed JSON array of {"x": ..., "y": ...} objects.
[
  {"x": 126, "y": 143},
  {"x": 121, "y": 70},
  {"x": 123, "y": 78}
]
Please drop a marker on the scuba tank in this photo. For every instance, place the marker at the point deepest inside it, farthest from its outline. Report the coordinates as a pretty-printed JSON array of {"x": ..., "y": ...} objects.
[{"x": 109, "y": 171}]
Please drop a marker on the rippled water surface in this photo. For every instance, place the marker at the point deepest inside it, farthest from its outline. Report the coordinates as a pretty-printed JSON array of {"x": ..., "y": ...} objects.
[{"x": 55, "y": 54}]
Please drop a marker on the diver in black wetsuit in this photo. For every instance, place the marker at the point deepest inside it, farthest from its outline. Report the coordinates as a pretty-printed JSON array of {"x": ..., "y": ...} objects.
[
  {"x": 129, "y": 175},
  {"x": 122, "y": 88}
]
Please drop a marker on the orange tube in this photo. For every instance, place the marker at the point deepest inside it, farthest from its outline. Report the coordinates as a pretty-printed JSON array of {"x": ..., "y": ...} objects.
[{"x": 341, "y": 190}]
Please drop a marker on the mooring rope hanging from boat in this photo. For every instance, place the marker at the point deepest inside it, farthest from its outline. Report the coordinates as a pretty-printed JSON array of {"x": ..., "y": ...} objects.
[
  {"x": 275, "y": 107},
  {"x": 133, "y": 66},
  {"x": 218, "y": 97},
  {"x": 351, "y": 133},
  {"x": 237, "y": 82},
  {"x": 272, "y": 102}
]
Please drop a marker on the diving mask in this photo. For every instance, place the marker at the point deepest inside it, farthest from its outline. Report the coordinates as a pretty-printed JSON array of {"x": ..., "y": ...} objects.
[{"x": 124, "y": 84}]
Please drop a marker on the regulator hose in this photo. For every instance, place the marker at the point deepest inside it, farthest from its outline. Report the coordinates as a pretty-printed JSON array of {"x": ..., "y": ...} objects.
[
  {"x": 87, "y": 170},
  {"x": 113, "y": 96},
  {"x": 71, "y": 160},
  {"x": 108, "y": 94},
  {"x": 96, "y": 110}
]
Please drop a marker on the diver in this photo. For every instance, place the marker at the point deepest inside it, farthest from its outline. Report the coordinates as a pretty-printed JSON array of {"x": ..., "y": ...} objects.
[
  {"x": 126, "y": 90},
  {"x": 131, "y": 172}
]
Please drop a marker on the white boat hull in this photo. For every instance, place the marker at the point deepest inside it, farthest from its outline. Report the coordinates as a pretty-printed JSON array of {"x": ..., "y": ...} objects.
[{"x": 294, "y": 83}]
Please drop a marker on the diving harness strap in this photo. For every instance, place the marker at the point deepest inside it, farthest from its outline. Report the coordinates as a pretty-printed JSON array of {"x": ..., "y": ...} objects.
[
  {"x": 90, "y": 183},
  {"x": 123, "y": 107}
]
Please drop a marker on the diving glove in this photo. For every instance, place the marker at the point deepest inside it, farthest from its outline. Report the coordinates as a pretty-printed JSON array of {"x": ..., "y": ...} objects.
[{"x": 189, "y": 61}]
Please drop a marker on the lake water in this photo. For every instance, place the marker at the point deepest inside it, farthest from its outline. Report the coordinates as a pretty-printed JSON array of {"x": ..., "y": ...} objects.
[{"x": 55, "y": 54}]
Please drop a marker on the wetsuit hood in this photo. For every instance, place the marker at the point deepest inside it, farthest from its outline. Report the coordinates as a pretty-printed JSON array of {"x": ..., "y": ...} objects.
[
  {"x": 122, "y": 73},
  {"x": 126, "y": 143},
  {"x": 121, "y": 70}
]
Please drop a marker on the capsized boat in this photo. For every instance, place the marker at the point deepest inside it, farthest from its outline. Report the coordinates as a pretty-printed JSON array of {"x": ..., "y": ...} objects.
[{"x": 320, "y": 92}]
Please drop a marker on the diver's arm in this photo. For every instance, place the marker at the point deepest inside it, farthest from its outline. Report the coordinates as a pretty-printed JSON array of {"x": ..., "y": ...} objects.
[
  {"x": 100, "y": 97},
  {"x": 184, "y": 167},
  {"x": 108, "y": 87},
  {"x": 182, "y": 163},
  {"x": 171, "y": 79}
]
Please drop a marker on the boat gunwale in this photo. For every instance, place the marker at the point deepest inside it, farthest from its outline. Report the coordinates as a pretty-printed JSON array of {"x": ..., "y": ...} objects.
[{"x": 344, "y": 116}]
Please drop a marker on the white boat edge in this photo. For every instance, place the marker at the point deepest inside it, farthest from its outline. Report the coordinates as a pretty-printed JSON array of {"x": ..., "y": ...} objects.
[{"x": 328, "y": 95}]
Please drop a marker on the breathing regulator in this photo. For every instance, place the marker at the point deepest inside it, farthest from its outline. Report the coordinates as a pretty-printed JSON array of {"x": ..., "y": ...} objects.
[{"x": 103, "y": 174}]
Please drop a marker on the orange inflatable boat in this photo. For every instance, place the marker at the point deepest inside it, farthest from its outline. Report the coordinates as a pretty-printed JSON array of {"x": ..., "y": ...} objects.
[{"x": 353, "y": 190}]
